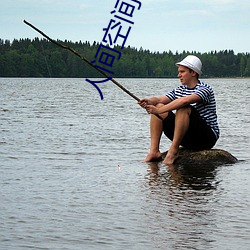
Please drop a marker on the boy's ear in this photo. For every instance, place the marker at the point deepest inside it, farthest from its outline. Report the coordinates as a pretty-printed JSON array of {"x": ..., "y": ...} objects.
[{"x": 194, "y": 73}]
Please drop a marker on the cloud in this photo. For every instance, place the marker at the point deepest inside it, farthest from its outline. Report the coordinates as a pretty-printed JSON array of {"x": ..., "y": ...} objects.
[
  {"x": 225, "y": 5},
  {"x": 153, "y": 2},
  {"x": 84, "y": 6},
  {"x": 220, "y": 2}
]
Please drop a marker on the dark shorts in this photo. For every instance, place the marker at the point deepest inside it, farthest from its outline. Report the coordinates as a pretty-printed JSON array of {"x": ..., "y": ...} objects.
[{"x": 199, "y": 135}]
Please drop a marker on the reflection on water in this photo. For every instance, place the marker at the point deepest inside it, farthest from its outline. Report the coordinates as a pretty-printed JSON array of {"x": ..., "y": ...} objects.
[
  {"x": 194, "y": 207},
  {"x": 189, "y": 177},
  {"x": 184, "y": 195}
]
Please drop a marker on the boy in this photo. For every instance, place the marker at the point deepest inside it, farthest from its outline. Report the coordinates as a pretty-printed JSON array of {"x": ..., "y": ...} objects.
[{"x": 194, "y": 125}]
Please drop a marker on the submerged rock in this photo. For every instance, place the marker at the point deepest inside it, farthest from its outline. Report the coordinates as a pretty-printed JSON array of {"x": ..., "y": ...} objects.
[{"x": 204, "y": 157}]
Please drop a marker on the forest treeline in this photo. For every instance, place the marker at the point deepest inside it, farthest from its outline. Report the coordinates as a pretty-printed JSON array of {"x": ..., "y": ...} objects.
[{"x": 41, "y": 58}]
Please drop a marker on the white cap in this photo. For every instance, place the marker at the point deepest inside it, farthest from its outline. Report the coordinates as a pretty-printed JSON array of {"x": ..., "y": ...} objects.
[{"x": 191, "y": 62}]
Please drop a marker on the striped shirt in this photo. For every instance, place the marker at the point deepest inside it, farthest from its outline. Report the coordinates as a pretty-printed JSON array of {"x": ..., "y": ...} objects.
[{"x": 206, "y": 108}]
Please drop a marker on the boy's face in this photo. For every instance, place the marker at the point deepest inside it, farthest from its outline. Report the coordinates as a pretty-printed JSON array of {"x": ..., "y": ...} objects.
[{"x": 185, "y": 75}]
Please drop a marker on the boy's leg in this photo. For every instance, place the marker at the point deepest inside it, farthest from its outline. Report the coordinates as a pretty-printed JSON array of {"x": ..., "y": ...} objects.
[
  {"x": 156, "y": 128},
  {"x": 181, "y": 127}
]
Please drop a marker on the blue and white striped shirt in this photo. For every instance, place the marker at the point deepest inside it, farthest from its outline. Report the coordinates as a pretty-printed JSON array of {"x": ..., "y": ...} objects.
[{"x": 206, "y": 108}]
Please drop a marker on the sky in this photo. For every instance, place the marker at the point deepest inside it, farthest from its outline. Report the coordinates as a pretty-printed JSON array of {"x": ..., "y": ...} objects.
[{"x": 159, "y": 25}]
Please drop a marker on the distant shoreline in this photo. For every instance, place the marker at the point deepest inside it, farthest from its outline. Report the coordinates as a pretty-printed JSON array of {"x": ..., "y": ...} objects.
[{"x": 41, "y": 58}]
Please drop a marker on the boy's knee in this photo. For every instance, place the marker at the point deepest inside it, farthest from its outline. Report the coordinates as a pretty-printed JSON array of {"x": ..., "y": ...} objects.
[
  {"x": 159, "y": 105},
  {"x": 184, "y": 110}
]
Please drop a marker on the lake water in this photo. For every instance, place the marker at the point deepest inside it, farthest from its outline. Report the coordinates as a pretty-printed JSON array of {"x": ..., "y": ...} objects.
[{"x": 72, "y": 176}]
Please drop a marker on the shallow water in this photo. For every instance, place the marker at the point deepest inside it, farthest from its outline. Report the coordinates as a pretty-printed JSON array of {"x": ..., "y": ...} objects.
[{"x": 72, "y": 175}]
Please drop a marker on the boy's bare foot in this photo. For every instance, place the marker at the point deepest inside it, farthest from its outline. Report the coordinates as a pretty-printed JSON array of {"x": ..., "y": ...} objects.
[
  {"x": 170, "y": 157},
  {"x": 153, "y": 156}
]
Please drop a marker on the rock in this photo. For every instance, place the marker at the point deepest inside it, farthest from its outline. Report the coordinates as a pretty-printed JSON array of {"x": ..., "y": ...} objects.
[{"x": 213, "y": 157}]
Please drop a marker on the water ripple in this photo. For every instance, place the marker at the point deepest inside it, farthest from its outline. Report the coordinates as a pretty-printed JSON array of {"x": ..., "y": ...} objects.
[{"x": 72, "y": 175}]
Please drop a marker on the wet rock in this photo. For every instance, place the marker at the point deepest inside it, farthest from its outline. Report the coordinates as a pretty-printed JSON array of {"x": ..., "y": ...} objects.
[{"x": 213, "y": 157}]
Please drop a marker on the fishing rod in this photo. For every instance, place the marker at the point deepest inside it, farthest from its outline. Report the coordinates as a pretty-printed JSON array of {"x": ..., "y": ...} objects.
[{"x": 85, "y": 60}]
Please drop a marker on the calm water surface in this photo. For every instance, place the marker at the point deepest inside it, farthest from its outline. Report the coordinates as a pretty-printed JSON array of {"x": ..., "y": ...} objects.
[{"x": 72, "y": 176}]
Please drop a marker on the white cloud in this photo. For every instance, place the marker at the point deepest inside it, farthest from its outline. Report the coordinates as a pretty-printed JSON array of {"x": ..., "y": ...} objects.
[
  {"x": 153, "y": 2},
  {"x": 84, "y": 6}
]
